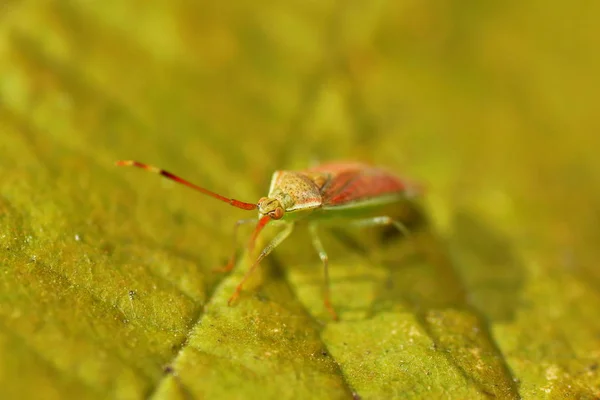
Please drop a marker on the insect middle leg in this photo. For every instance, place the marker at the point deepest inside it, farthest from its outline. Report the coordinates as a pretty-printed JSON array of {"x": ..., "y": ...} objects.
[
  {"x": 325, "y": 260},
  {"x": 281, "y": 236},
  {"x": 231, "y": 262}
]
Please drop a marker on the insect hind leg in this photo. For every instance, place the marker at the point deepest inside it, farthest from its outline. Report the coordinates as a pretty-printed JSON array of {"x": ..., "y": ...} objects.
[
  {"x": 381, "y": 221},
  {"x": 318, "y": 245}
]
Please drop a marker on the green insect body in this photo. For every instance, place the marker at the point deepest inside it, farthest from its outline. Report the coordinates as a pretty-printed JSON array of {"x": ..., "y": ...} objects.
[{"x": 356, "y": 193}]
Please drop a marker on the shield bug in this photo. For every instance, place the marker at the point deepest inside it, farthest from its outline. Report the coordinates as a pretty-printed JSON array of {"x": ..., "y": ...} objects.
[{"x": 359, "y": 194}]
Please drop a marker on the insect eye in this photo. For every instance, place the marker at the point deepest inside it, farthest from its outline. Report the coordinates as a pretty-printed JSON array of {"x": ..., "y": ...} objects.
[{"x": 277, "y": 213}]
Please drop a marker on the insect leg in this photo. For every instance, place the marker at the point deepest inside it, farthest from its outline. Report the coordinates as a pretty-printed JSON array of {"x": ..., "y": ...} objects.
[
  {"x": 231, "y": 262},
  {"x": 381, "y": 221},
  {"x": 325, "y": 260},
  {"x": 281, "y": 236}
]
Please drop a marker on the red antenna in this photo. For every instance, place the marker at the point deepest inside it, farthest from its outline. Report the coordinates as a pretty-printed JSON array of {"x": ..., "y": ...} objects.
[{"x": 166, "y": 174}]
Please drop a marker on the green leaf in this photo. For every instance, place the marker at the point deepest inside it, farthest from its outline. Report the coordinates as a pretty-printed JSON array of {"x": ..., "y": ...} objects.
[{"x": 107, "y": 282}]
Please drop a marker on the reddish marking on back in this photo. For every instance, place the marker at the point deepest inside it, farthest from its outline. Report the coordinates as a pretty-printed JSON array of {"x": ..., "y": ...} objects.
[{"x": 350, "y": 182}]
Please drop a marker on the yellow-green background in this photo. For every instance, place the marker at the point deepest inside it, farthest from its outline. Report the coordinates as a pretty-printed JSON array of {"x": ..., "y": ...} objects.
[{"x": 106, "y": 282}]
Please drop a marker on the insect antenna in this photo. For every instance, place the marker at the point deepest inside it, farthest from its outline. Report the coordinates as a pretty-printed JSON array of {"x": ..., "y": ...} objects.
[{"x": 166, "y": 174}]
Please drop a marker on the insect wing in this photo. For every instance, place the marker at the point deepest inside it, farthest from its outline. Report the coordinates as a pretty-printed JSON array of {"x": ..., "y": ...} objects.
[{"x": 351, "y": 182}]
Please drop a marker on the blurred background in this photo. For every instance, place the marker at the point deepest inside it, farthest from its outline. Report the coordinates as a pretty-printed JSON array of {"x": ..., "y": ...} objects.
[{"x": 107, "y": 287}]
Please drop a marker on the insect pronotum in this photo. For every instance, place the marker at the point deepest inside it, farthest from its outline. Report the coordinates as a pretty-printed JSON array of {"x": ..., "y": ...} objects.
[{"x": 360, "y": 194}]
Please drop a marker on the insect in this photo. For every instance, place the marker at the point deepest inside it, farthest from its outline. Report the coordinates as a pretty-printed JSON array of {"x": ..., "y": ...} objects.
[{"x": 358, "y": 194}]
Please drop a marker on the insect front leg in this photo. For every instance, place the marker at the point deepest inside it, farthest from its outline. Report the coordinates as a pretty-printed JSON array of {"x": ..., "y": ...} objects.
[
  {"x": 231, "y": 262},
  {"x": 318, "y": 245},
  {"x": 281, "y": 236}
]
